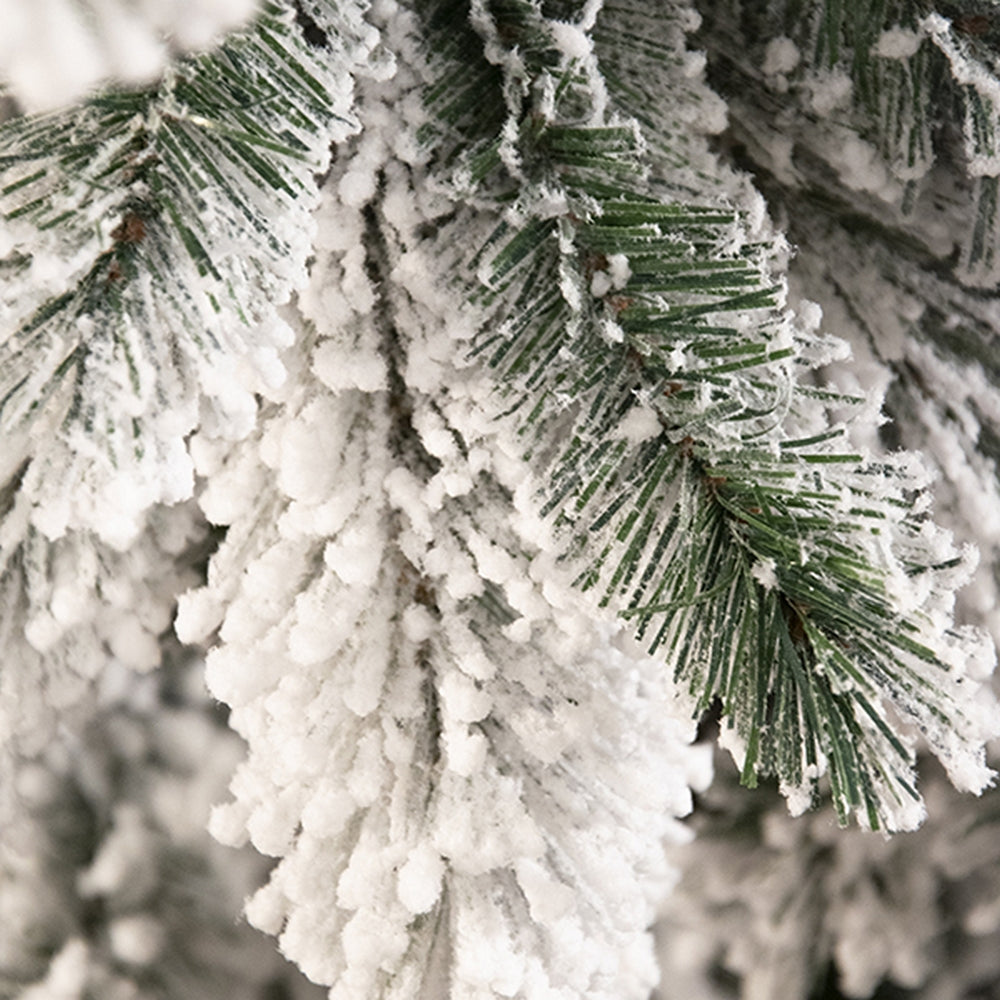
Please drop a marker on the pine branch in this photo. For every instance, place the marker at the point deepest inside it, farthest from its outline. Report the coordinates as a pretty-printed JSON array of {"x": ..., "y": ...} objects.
[
  {"x": 483, "y": 774},
  {"x": 897, "y": 88},
  {"x": 145, "y": 258},
  {"x": 780, "y": 572},
  {"x": 895, "y": 272}
]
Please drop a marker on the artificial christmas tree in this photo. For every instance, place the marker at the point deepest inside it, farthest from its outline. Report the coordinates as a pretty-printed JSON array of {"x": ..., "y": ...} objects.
[{"x": 441, "y": 365}]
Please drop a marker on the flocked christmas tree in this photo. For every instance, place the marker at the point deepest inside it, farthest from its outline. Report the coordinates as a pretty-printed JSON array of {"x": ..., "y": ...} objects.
[{"x": 476, "y": 397}]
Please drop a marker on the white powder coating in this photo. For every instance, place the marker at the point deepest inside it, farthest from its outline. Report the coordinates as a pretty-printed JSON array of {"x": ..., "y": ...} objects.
[
  {"x": 981, "y": 137},
  {"x": 780, "y": 56},
  {"x": 763, "y": 572},
  {"x": 572, "y": 40},
  {"x": 830, "y": 91},
  {"x": 898, "y": 43},
  {"x": 615, "y": 277},
  {"x": 420, "y": 750},
  {"x": 619, "y": 270},
  {"x": 861, "y": 166},
  {"x": 811, "y": 315},
  {"x": 158, "y": 366},
  {"x": 512, "y": 782},
  {"x": 420, "y": 879},
  {"x": 53, "y": 51},
  {"x": 640, "y": 424},
  {"x": 600, "y": 284}
]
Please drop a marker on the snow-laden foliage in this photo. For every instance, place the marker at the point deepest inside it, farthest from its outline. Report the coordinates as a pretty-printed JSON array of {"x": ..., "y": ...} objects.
[
  {"x": 770, "y": 906},
  {"x": 53, "y": 51},
  {"x": 926, "y": 345},
  {"x": 647, "y": 356},
  {"x": 890, "y": 97},
  {"x": 893, "y": 232},
  {"x": 467, "y": 777},
  {"x": 522, "y": 453},
  {"x": 884, "y": 201},
  {"x": 110, "y": 887},
  {"x": 144, "y": 255}
]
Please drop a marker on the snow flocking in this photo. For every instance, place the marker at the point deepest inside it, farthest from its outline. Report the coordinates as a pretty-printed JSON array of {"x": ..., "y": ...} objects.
[
  {"x": 108, "y": 369},
  {"x": 53, "y": 52},
  {"x": 430, "y": 588},
  {"x": 482, "y": 772},
  {"x": 707, "y": 343}
]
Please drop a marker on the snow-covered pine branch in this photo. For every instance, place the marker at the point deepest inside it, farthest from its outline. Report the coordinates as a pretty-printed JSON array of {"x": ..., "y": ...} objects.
[
  {"x": 544, "y": 393},
  {"x": 481, "y": 772},
  {"x": 873, "y": 159},
  {"x": 646, "y": 355},
  {"x": 147, "y": 239},
  {"x": 864, "y": 155}
]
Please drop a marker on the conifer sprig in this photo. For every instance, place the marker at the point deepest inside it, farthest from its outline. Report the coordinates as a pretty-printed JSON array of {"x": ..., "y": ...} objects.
[
  {"x": 904, "y": 261},
  {"x": 147, "y": 239},
  {"x": 646, "y": 357}
]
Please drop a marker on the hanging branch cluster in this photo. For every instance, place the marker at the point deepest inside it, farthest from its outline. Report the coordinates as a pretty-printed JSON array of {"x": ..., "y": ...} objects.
[
  {"x": 523, "y": 459},
  {"x": 645, "y": 355},
  {"x": 882, "y": 155}
]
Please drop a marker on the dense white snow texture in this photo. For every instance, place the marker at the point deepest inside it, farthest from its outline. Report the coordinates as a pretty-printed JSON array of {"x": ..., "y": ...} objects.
[
  {"x": 52, "y": 52},
  {"x": 468, "y": 777},
  {"x": 467, "y": 772}
]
